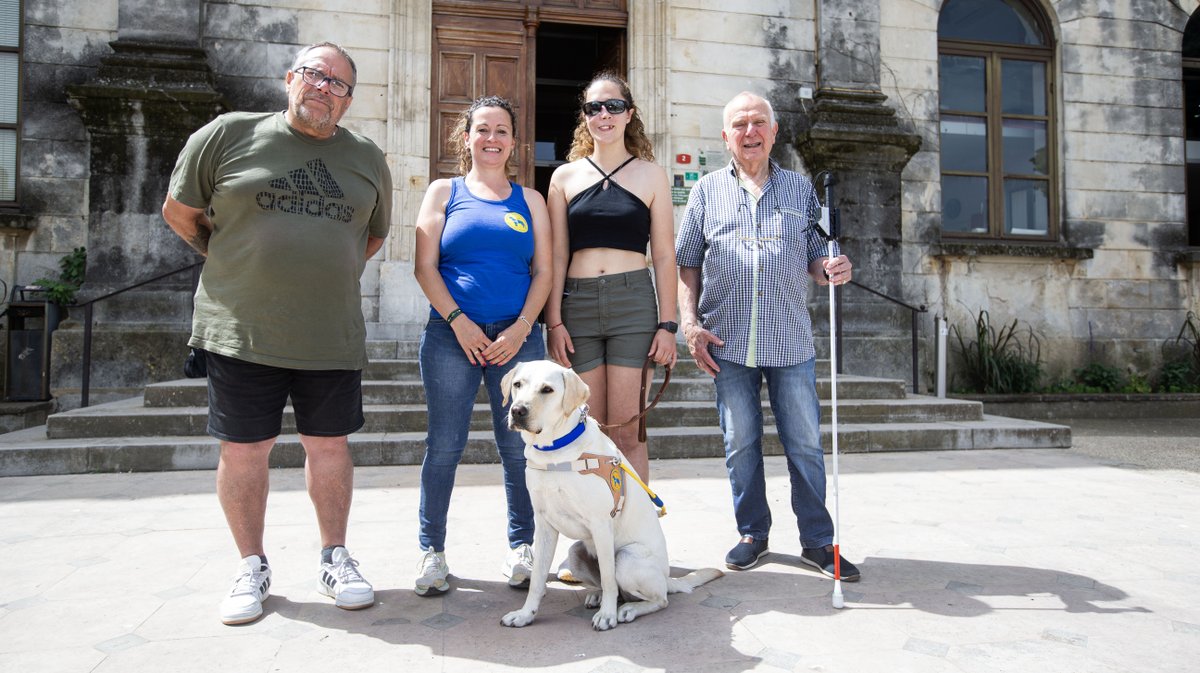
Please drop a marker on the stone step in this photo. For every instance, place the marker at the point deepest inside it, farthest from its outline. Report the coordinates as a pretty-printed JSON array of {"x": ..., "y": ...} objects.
[
  {"x": 131, "y": 418},
  {"x": 28, "y": 452},
  {"x": 194, "y": 392}
]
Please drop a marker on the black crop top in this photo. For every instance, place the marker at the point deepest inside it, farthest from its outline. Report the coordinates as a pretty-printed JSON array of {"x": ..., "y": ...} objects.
[{"x": 606, "y": 215}]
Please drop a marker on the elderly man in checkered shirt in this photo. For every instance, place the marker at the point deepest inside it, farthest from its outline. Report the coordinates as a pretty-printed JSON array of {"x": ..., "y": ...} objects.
[{"x": 746, "y": 249}]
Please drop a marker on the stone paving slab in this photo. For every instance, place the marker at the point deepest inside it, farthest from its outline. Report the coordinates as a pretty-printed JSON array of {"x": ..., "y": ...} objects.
[{"x": 973, "y": 562}]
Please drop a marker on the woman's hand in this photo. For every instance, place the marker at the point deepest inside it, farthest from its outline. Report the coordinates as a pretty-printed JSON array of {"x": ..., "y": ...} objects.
[
  {"x": 662, "y": 349},
  {"x": 471, "y": 339},
  {"x": 507, "y": 344},
  {"x": 560, "y": 345}
]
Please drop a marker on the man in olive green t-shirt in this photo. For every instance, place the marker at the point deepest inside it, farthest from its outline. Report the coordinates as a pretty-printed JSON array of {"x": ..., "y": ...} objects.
[{"x": 286, "y": 207}]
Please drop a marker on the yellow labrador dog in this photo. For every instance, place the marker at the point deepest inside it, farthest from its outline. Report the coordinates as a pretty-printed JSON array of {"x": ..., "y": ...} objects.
[{"x": 578, "y": 488}]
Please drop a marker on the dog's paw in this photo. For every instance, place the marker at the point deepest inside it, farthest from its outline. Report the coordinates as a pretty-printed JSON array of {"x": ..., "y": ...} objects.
[
  {"x": 518, "y": 618},
  {"x": 627, "y": 613},
  {"x": 592, "y": 600},
  {"x": 603, "y": 620}
]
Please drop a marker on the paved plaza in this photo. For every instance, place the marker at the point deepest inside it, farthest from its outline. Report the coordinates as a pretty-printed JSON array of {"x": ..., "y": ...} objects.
[{"x": 1079, "y": 560}]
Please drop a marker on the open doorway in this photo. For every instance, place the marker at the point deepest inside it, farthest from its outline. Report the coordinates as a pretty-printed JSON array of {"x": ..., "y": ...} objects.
[
  {"x": 567, "y": 58},
  {"x": 1191, "y": 124}
]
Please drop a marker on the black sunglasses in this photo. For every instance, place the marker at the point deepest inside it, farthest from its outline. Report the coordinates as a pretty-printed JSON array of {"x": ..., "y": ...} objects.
[{"x": 614, "y": 106}]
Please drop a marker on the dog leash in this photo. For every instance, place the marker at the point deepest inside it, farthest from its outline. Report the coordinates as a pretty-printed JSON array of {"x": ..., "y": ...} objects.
[{"x": 643, "y": 408}]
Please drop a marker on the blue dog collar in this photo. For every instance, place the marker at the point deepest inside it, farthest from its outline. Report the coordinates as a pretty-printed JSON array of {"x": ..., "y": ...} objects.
[{"x": 564, "y": 440}]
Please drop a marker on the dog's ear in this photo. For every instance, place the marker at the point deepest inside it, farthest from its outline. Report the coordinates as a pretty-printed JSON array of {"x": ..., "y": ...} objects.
[
  {"x": 575, "y": 392},
  {"x": 506, "y": 383}
]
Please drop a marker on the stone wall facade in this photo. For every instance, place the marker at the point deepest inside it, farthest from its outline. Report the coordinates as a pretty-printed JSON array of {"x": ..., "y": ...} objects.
[{"x": 1119, "y": 120}]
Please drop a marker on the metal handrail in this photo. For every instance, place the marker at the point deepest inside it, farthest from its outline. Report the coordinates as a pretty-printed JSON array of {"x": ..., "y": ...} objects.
[
  {"x": 85, "y": 384},
  {"x": 915, "y": 329}
]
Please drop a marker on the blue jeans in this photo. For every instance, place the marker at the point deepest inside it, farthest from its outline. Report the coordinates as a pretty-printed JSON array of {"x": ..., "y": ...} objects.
[
  {"x": 451, "y": 384},
  {"x": 793, "y": 396}
]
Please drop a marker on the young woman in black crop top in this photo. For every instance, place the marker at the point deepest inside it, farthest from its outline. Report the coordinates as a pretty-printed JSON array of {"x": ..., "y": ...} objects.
[{"x": 605, "y": 316}]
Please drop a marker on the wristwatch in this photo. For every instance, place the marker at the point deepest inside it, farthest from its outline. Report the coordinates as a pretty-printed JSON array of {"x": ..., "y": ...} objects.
[{"x": 669, "y": 326}]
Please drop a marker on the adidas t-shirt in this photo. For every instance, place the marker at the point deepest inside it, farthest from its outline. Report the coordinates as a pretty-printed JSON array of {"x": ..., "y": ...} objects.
[{"x": 290, "y": 219}]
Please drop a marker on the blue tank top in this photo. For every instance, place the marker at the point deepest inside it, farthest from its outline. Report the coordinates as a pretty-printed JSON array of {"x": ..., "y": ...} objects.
[{"x": 486, "y": 252}]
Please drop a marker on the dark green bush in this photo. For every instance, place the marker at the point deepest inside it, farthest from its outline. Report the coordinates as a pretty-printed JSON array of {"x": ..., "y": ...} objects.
[{"x": 1098, "y": 377}]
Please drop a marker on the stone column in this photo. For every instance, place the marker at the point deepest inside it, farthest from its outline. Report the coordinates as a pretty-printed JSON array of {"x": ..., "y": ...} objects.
[
  {"x": 147, "y": 97},
  {"x": 852, "y": 132}
]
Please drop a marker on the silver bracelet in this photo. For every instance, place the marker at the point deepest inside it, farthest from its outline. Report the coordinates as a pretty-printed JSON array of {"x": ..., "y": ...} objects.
[{"x": 527, "y": 323}]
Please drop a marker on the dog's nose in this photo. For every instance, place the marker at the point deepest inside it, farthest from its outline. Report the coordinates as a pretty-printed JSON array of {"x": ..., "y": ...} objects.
[{"x": 519, "y": 411}]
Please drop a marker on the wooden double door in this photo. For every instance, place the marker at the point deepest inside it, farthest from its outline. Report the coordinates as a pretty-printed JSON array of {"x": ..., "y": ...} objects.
[{"x": 491, "y": 47}]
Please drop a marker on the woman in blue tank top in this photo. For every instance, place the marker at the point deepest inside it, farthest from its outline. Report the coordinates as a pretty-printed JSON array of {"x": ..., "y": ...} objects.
[
  {"x": 605, "y": 316},
  {"x": 483, "y": 260}
]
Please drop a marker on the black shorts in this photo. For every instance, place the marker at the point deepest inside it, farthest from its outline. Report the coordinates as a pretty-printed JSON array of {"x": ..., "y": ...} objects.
[{"x": 246, "y": 400}]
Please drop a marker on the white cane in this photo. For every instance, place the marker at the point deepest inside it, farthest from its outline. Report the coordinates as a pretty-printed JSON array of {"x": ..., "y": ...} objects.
[{"x": 828, "y": 225}]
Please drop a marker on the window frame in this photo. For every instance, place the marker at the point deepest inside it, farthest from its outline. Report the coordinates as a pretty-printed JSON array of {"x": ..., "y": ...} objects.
[
  {"x": 993, "y": 54},
  {"x": 19, "y": 50}
]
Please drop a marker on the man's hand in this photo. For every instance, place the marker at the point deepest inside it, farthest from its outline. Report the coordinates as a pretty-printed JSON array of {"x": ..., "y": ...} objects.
[
  {"x": 698, "y": 340},
  {"x": 837, "y": 270}
]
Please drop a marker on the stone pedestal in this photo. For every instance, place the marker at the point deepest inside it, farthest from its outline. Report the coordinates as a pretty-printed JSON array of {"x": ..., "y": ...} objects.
[
  {"x": 856, "y": 136},
  {"x": 149, "y": 95},
  {"x": 144, "y": 103}
]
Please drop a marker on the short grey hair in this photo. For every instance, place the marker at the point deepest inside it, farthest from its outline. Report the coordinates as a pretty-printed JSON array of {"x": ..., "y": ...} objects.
[
  {"x": 327, "y": 45},
  {"x": 746, "y": 94}
]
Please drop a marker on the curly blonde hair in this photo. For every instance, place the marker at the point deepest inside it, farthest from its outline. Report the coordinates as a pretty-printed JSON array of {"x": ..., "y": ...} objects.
[
  {"x": 458, "y": 148},
  {"x": 636, "y": 142}
]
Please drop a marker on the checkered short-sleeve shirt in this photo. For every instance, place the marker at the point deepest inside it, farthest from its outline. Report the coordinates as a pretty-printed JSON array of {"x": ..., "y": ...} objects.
[{"x": 745, "y": 249}]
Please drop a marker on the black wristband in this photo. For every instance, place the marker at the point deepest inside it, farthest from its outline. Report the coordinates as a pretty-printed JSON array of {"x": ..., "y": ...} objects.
[{"x": 453, "y": 314}]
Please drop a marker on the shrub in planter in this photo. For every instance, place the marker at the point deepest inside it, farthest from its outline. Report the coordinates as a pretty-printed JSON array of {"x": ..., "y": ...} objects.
[{"x": 998, "y": 361}]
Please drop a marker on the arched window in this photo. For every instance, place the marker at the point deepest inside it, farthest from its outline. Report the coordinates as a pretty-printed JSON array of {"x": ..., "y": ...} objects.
[
  {"x": 1191, "y": 123},
  {"x": 996, "y": 103}
]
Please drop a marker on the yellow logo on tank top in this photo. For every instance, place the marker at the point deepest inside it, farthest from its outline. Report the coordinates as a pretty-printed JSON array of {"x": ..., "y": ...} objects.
[{"x": 516, "y": 222}]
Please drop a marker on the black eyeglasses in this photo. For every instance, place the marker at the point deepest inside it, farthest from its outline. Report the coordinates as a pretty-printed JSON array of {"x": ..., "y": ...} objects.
[
  {"x": 614, "y": 106},
  {"x": 315, "y": 78}
]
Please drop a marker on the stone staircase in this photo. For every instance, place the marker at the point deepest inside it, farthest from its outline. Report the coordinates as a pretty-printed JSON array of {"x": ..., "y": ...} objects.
[{"x": 164, "y": 428}]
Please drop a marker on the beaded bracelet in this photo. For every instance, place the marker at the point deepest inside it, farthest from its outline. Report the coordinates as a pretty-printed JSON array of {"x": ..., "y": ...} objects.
[
  {"x": 527, "y": 323},
  {"x": 554, "y": 327}
]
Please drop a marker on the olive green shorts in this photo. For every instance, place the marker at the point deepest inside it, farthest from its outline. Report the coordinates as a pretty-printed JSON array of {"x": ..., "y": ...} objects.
[{"x": 611, "y": 319}]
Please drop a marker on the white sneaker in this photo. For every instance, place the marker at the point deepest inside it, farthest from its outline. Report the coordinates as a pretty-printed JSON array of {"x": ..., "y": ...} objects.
[
  {"x": 341, "y": 581},
  {"x": 518, "y": 565},
  {"x": 251, "y": 586},
  {"x": 431, "y": 574}
]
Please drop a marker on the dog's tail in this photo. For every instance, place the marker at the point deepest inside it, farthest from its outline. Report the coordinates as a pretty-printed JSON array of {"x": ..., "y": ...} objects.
[{"x": 685, "y": 584}]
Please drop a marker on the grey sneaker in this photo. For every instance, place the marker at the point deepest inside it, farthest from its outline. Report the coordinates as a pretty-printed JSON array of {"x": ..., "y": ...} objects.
[
  {"x": 431, "y": 574},
  {"x": 518, "y": 566},
  {"x": 341, "y": 581},
  {"x": 251, "y": 586}
]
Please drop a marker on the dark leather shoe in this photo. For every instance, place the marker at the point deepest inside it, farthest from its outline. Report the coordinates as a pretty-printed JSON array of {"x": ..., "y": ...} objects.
[
  {"x": 745, "y": 554},
  {"x": 821, "y": 558}
]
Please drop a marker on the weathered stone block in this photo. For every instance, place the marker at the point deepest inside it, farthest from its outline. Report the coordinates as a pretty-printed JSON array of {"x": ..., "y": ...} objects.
[
  {"x": 54, "y": 159},
  {"x": 1125, "y": 206},
  {"x": 254, "y": 23},
  {"x": 1109, "y": 90},
  {"x": 93, "y": 14},
  {"x": 1122, "y": 119},
  {"x": 791, "y": 30},
  {"x": 52, "y": 44},
  {"x": 1097, "y": 59},
  {"x": 1120, "y": 147}
]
